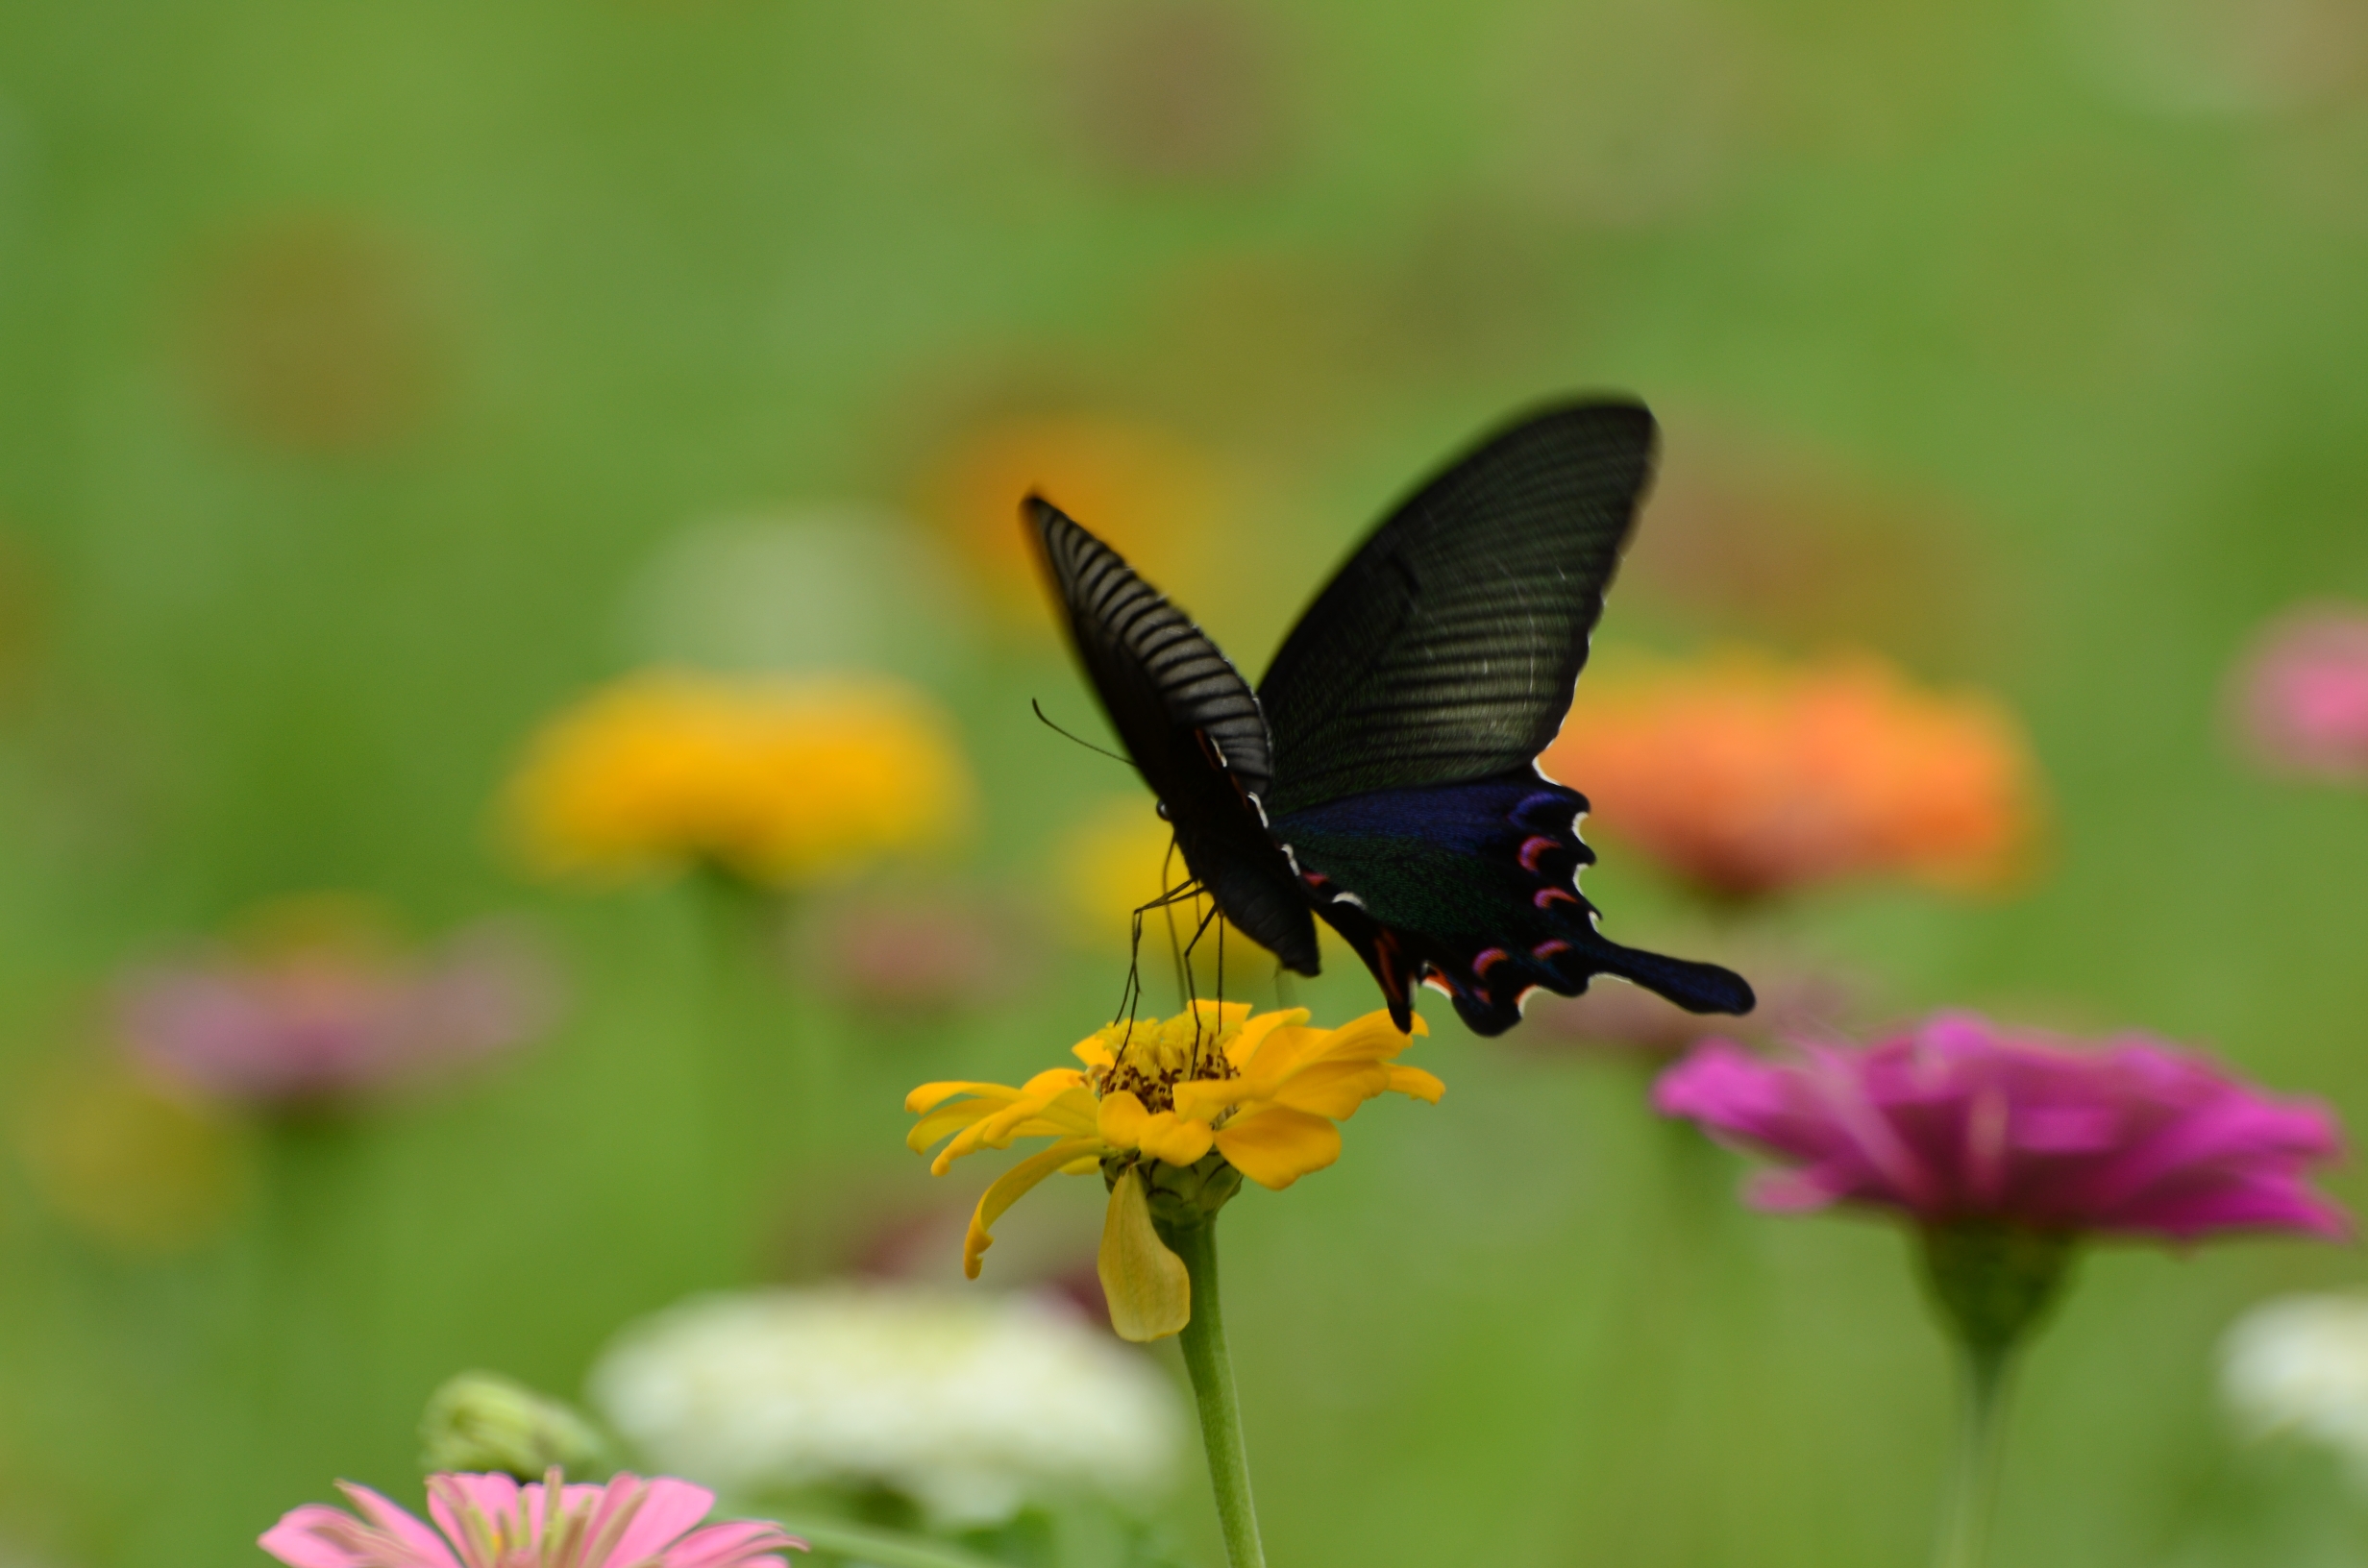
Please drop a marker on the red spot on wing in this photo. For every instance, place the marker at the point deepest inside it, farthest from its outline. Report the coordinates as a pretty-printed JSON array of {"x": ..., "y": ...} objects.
[
  {"x": 1489, "y": 958},
  {"x": 1549, "y": 948},
  {"x": 1548, "y": 897},
  {"x": 1531, "y": 849}
]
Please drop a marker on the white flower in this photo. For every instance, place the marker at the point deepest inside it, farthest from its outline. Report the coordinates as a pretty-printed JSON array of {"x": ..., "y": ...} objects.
[
  {"x": 970, "y": 1404},
  {"x": 2299, "y": 1364}
]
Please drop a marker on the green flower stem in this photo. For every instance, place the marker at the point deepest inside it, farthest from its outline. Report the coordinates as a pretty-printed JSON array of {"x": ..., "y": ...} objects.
[
  {"x": 1973, "y": 1479},
  {"x": 888, "y": 1549},
  {"x": 1211, "y": 1366}
]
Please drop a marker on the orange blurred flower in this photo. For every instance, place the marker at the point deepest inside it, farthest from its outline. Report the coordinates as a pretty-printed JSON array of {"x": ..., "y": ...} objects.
[
  {"x": 780, "y": 781},
  {"x": 1748, "y": 777},
  {"x": 1155, "y": 498}
]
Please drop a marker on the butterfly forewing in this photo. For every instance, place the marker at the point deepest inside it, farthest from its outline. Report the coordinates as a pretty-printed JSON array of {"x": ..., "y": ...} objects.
[
  {"x": 1193, "y": 726},
  {"x": 1447, "y": 647},
  {"x": 1157, "y": 673}
]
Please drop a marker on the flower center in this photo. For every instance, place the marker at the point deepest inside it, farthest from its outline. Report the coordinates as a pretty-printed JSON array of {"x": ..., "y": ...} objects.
[{"x": 1151, "y": 1057}]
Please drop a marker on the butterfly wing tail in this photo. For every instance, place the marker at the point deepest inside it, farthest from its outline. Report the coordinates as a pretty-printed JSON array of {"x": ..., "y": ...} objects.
[
  {"x": 1695, "y": 987},
  {"x": 1489, "y": 996}
]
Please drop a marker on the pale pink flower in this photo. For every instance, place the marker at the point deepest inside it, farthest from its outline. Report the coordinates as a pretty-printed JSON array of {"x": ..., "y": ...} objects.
[
  {"x": 1959, "y": 1120},
  {"x": 319, "y": 1021},
  {"x": 2301, "y": 695},
  {"x": 917, "y": 957},
  {"x": 490, "y": 1521}
]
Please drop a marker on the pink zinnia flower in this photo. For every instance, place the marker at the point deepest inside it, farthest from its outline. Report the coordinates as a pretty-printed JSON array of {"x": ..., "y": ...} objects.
[
  {"x": 490, "y": 1521},
  {"x": 1958, "y": 1121},
  {"x": 2301, "y": 695},
  {"x": 320, "y": 1020}
]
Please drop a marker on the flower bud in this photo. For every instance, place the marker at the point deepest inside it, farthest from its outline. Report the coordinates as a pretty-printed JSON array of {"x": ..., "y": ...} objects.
[{"x": 482, "y": 1421}]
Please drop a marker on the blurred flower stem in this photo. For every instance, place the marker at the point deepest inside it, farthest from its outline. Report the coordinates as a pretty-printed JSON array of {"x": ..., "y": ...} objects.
[
  {"x": 1993, "y": 1284},
  {"x": 1973, "y": 1478},
  {"x": 1211, "y": 1365},
  {"x": 764, "y": 1090},
  {"x": 312, "y": 1165}
]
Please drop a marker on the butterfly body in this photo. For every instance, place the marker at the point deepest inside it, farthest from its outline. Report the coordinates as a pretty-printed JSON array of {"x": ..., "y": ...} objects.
[{"x": 1383, "y": 776}]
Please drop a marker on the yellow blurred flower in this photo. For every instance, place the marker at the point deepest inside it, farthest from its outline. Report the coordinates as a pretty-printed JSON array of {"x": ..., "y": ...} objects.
[
  {"x": 1153, "y": 497},
  {"x": 130, "y": 1167},
  {"x": 1748, "y": 777},
  {"x": 1114, "y": 858},
  {"x": 1173, "y": 1113},
  {"x": 1108, "y": 862},
  {"x": 779, "y": 780}
]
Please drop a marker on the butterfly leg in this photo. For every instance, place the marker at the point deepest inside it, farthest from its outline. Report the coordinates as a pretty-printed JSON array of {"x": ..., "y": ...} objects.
[{"x": 1131, "y": 996}]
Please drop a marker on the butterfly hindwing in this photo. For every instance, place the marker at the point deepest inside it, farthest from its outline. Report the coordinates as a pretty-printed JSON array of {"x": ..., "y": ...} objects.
[
  {"x": 1474, "y": 885},
  {"x": 1447, "y": 647},
  {"x": 1191, "y": 724}
]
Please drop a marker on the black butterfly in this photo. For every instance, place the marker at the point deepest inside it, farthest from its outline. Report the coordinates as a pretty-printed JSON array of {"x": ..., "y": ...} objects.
[{"x": 1384, "y": 774}]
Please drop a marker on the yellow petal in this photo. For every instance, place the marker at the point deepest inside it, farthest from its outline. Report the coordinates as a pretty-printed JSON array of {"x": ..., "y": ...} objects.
[
  {"x": 1092, "y": 1052},
  {"x": 1418, "y": 1083},
  {"x": 929, "y": 1096},
  {"x": 1333, "y": 1089},
  {"x": 1245, "y": 1046},
  {"x": 1214, "y": 1016},
  {"x": 1119, "y": 1119},
  {"x": 1373, "y": 1037},
  {"x": 1006, "y": 1192},
  {"x": 1174, "y": 1139},
  {"x": 1149, "y": 1293},
  {"x": 1276, "y": 1146},
  {"x": 1074, "y": 1109},
  {"x": 1036, "y": 1098},
  {"x": 1203, "y": 1098},
  {"x": 1286, "y": 1051},
  {"x": 945, "y": 1120}
]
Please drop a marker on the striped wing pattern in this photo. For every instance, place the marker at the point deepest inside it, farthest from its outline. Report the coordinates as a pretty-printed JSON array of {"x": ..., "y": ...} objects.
[
  {"x": 1159, "y": 675},
  {"x": 1447, "y": 649}
]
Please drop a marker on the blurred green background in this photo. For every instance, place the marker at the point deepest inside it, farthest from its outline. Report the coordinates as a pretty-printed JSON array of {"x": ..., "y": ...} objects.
[{"x": 358, "y": 363}]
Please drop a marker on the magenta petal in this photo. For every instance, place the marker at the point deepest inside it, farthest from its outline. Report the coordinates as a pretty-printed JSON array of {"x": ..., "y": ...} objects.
[
  {"x": 1719, "y": 1083},
  {"x": 1957, "y": 1119},
  {"x": 671, "y": 1508},
  {"x": 1789, "y": 1191}
]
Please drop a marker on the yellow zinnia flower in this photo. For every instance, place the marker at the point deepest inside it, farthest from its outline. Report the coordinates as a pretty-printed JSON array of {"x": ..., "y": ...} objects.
[
  {"x": 779, "y": 780},
  {"x": 1173, "y": 1113}
]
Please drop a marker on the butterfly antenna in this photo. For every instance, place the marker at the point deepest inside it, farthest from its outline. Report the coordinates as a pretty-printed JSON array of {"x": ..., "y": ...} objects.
[{"x": 1087, "y": 745}]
